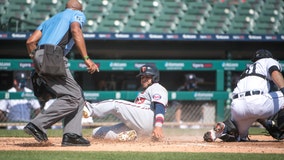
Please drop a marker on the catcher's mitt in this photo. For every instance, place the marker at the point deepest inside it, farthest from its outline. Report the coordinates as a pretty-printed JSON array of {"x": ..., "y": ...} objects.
[
  {"x": 208, "y": 136},
  {"x": 226, "y": 131}
]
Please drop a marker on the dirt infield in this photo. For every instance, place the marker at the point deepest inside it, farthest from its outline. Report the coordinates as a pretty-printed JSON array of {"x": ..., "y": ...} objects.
[{"x": 265, "y": 144}]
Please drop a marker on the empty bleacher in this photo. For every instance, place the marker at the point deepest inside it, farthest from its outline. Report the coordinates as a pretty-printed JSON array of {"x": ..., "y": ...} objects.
[{"x": 154, "y": 16}]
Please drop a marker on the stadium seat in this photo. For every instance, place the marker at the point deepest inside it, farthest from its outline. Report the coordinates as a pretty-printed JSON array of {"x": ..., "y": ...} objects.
[
  {"x": 263, "y": 29},
  {"x": 143, "y": 17},
  {"x": 274, "y": 2},
  {"x": 249, "y": 10},
  {"x": 122, "y": 10},
  {"x": 149, "y": 7},
  {"x": 54, "y": 3},
  {"x": 219, "y": 19},
  {"x": 196, "y": 12},
  {"x": 90, "y": 26},
  {"x": 273, "y": 10},
  {"x": 16, "y": 8},
  {"x": 176, "y": 8},
  {"x": 281, "y": 29},
  {"x": 101, "y": 3},
  {"x": 192, "y": 28},
  {"x": 28, "y": 27},
  {"x": 3, "y": 7},
  {"x": 193, "y": 19},
  {"x": 266, "y": 24},
  {"x": 214, "y": 27},
  {"x": 168, "y": 18},
  {"x": 150, "y": 4},
  {"x": 222, "y": 6},
  {"x": 131, "y": 29},
  {"x": 120, "y": 17},
  {"x": 110, "y": 26},
  {"x": 29, "y": 3},
  {"x": 54, "y": 6},
  {"x": 37, "y": 18},
  {"x": 186, "y": 30},
  {"x": 44, "y": 9},
  {"x": 237, "y": 30},
  {"x": 162, "y": 27},
  {"x": 19, "y": 10},
  {"x": 127, "y": 3},
  {"x": 190, "y": 1},
  {"x": 212, "y": 30},
  {"x": 199, "y": 6},
  {"x": 4, "y": 2},
  {"x": 242, "y": 23},
  {"x": 149, "y": 11},
  {"x": 172, "y": 11},
  {"x": 160, "y": 30},
  {"x": 95, "y": 13},
  {"x": 174, "y": 4},
  {"x": 136, "y": 25},
  {"x": 13, "y": 21}
]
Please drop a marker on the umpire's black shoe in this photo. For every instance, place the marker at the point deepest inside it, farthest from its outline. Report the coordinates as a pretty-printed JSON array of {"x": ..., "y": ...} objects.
[
  {"x": 71, "y": 139},
  {"x": 33, "y": 130}
]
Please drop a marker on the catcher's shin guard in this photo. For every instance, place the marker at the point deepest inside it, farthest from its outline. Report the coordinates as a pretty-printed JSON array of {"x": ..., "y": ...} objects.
[{"x": 230, "y": 133}]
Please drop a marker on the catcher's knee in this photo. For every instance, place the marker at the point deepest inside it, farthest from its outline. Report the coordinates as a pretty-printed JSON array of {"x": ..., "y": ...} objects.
[{"x": 231, "y": 132}]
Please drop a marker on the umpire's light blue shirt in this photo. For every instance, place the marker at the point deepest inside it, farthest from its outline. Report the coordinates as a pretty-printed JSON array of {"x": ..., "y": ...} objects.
[{"x": 58, "y": 27}]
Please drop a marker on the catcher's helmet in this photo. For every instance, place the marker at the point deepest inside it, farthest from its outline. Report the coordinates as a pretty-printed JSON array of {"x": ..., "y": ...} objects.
[
  {"x": 149, "y": 69},
  {"x": 262, "y": 53}
]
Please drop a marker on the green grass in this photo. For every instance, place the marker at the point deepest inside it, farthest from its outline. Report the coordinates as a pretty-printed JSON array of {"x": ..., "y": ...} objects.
[{"x": 64, "y": 155}]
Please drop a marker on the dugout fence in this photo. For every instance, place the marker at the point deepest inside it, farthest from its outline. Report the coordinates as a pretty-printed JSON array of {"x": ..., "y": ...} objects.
[{"x": 203, "y": 107}]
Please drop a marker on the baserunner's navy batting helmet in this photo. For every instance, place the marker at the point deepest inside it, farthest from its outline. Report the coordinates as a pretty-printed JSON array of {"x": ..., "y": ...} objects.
[{"x": 151, "y": 70}]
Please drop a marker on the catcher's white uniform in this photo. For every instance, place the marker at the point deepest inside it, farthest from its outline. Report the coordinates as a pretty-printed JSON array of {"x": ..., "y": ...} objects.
[
  {"x": 137, "y": 115},
  {"x": 252, "y": 99}
]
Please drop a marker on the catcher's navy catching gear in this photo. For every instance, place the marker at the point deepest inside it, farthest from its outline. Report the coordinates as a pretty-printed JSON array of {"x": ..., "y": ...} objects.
[{"x": 253, "y": 100}]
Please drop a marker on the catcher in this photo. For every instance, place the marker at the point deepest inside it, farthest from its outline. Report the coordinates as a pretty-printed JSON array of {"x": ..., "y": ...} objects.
[{"x": 253, "y": 100}]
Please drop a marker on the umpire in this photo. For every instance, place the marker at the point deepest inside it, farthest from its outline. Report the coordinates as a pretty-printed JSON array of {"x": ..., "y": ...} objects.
[{"x": 48, "y": 46}]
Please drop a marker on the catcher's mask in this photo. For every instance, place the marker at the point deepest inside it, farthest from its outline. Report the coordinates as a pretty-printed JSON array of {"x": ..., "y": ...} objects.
[
  {"x": 150, "y": 70},
  {"x": 262, "y": 53}
]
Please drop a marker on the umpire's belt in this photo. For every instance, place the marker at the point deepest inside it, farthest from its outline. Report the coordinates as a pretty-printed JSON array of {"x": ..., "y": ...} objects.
[
  {"x": 247, "y": 93},
  {"x": 48, "y": 45}
]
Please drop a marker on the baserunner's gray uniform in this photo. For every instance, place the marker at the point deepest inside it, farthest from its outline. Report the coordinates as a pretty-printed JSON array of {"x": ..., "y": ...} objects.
[{"x": 137, "y": 115}]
